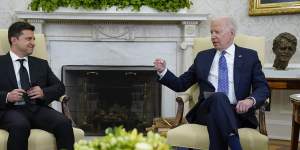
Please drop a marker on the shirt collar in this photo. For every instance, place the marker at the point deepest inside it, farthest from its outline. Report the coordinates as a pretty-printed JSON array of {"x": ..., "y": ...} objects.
[
  {"x": 14, "y": 57},
  {"x": 230, "y": 50}
]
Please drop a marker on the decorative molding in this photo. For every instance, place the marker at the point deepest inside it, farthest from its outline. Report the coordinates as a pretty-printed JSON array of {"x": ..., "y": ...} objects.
[
  {"x": 113, "y": 31},
  {"x": 178, "y": 17},
  {"x": 38, "y": 24}
]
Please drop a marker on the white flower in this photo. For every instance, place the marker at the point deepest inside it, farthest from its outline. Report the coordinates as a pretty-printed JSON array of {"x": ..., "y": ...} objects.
[{"x": 143, "y": 146}]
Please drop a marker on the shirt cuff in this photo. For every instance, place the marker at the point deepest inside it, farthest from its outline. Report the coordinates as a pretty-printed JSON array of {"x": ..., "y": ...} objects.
[
  {"x": 162, "y": 74},
  {"x": 6, "y": 101},
  {"x": 253, "y": 99}
]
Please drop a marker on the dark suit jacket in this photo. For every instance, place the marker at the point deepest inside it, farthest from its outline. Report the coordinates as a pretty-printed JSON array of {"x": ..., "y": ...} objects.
[
  {"x": 40, "y": 74},
  {"x": 249, "y": 80}
]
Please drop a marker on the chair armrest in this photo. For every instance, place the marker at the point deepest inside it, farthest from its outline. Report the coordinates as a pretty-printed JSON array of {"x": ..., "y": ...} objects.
[
  {"x": 65, "y": 107},
  {"x": 186, "y": 97},
  {"x": 261, "y": 118},
  {"x": 184, "y": 103},
  {"x": 162, "y": 124},
  {"x": 179, "y": 114}
]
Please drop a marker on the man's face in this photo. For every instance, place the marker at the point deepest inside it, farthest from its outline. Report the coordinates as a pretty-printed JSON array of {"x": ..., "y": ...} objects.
[
  {"x": 285, "y": 50},
  {"x": 24, "y": 44},
  {"x": 221, "y": 36}
]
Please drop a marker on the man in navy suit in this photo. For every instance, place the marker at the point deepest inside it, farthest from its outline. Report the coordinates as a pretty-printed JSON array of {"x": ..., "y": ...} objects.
[
  {"x": 27, "y": 87},
  {"x": 231, "y": 83}
]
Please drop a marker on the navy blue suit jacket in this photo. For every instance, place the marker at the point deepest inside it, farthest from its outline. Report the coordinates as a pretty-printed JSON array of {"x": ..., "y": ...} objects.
[{"x": 249, "y": 80}]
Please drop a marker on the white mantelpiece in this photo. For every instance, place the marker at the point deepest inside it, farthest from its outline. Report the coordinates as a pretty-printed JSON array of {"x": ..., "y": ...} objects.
[
  {"x": 111, "y": 16},
  {"x": 124, "y": 39}
]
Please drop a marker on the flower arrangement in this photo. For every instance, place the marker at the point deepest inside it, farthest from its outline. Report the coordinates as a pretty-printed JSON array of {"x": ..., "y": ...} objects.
[
  {"x": 120, "y": 139},
  {"x": 160, "y": 5}
]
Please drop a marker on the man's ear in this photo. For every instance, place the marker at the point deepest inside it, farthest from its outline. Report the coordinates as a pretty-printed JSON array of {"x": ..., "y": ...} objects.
[{"x": 13, "y": 39}]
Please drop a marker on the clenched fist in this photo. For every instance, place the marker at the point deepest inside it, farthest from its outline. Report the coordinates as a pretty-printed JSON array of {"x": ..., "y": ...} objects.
[{"x": 159, "y": 65}]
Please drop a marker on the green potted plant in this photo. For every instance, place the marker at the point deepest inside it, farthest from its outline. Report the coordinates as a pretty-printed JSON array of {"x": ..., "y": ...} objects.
[
  {"x": 159, "y": 5},
  {"x": 120, "y": 139}
]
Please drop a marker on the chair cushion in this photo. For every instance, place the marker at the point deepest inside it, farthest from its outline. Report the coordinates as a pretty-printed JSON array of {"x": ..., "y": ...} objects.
[
  {"x": 196, "y": 136},
  {"x": 39, "y": 139}
]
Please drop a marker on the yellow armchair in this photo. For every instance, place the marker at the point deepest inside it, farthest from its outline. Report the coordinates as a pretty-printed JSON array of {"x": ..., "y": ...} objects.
[
  {"x": 195, "y": 135},
  {"x": 38, "y": 139}
]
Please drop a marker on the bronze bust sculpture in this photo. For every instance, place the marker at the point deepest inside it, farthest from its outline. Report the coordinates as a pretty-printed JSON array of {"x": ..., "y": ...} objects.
[{"x": 284, "y": 47}]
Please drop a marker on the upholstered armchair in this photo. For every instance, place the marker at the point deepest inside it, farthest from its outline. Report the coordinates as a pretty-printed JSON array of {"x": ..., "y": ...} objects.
[
  {"x": 38, "y": 139},
  {"x": 196, "y": 136}
]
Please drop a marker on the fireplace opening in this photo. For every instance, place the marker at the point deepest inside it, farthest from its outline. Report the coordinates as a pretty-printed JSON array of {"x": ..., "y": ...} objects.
[{"x": 108, "y": 96}]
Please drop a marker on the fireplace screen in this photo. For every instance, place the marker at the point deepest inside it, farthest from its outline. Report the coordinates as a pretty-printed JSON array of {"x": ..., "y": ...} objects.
[{"x": 108, "y": 96}]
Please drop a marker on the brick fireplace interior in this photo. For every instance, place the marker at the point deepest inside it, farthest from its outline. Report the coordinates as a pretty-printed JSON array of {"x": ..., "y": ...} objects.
[{"x": 108, "y": 96}]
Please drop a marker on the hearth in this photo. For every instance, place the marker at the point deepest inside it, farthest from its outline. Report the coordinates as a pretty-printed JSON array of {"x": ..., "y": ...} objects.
[{"x": 108, "y": 96}]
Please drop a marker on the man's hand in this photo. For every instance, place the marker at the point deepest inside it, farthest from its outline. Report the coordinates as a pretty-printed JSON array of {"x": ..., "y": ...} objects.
[
  {"x": 35, "y": 92},
  {"x": 159, "y": 65},
  {"x": 243, "y": 105},
  {"x": 15, "y": 95}
]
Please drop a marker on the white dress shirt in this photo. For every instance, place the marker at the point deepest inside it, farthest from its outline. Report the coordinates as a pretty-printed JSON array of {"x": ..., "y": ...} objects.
[
  {"x": 213, "y": 73},
  {"x": 17, "y": 66}
]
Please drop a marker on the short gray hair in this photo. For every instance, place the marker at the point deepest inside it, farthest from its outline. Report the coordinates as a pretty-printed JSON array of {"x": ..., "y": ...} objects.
[{"x": 232, "y": 24}]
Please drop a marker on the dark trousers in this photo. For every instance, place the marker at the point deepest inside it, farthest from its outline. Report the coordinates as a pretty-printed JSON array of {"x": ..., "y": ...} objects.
[
  {"x": 19, "y": 120},
  {"x": 222, "y": 120}
]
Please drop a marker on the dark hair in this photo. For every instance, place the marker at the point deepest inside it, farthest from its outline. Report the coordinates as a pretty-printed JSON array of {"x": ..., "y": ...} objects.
[{"x": 15, "y": 30}]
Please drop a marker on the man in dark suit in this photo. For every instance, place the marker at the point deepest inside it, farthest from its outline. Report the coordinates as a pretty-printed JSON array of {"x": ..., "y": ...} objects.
[
  {"x": 27, "y": 87},
  {"x": 231, "y": 83}
]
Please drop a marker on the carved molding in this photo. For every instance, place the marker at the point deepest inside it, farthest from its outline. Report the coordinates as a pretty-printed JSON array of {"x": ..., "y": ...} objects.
[
  {"x": 38, "y": 23},
  {"x": 113, "y": 31}
]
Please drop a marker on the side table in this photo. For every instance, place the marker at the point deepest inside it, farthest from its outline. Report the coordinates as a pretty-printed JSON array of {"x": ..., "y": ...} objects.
[{"x": 295, "y": 99}]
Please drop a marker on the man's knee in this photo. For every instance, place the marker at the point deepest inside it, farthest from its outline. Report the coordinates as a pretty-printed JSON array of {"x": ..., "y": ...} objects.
[
  {"x": 219, "y": 97},
  {"x": 19, "y": 127},
  {"x": 64, "y": 123}
]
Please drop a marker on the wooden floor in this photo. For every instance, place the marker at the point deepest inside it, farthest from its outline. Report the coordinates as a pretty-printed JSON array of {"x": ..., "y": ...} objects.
[{"x": 280, "y": 145}]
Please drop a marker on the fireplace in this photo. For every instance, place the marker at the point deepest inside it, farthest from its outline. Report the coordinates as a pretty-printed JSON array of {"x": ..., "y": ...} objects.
[{"x": 108, "y": 96}]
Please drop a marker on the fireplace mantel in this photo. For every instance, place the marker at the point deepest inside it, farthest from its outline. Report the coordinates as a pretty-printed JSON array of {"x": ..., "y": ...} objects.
[
  {"x": 178, "y": 17},
  {"x": 119, "y": 39}
]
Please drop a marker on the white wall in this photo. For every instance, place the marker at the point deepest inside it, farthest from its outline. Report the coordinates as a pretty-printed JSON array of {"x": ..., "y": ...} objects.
[{"x": 7, "y": 9}]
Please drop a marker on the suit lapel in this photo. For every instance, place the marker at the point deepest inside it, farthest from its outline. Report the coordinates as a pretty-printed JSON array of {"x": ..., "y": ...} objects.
[
  {"x": 208, "y": 62},
  {"x": 32, "y": 66},
  {"x": 11, "y": 71},
  {"x": 238, "y": 64}
]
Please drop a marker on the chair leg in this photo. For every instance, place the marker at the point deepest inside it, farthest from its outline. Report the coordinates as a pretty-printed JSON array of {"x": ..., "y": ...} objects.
[{"x": 295, "y": 135}]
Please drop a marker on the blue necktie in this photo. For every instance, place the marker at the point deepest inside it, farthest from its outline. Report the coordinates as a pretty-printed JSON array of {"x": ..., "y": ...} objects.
[{"x": 223, "y": 74}]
